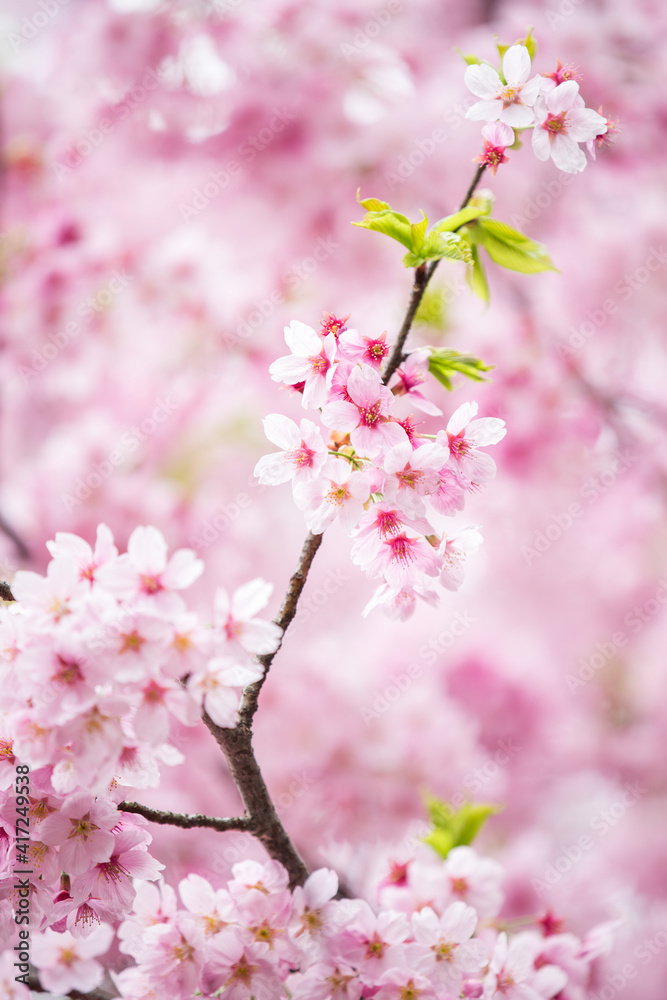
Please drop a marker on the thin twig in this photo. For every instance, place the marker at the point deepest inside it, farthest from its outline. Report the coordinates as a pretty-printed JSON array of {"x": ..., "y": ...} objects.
[
  {"x": 5, "y": 592},
  {"x": 186, "y": 820},
  {"x": 423, "y": 275}
]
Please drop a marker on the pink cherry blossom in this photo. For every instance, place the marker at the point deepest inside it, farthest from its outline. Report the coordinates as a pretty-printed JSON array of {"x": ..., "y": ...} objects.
[
  {"x": 365, "y": 416},
  {"x": 448, "y": 938},
  {"x": 145, "y": 572},
  {"x": 561, "y": 123},
  {"x": 340, "y": 492},
  {"x": 497, "y": 137},
  {"x": 413, "y": 474},
  {"x": 82, "y": 829},
  {"x": 310, "y": 362},
  {"x": 454, "y": 549},
  {"x": 67, "y": 963},
  {"x": 216, "y": 687},
  {"x": 88, "y": 561},
  {"x": 236, "y": 620},
  {"x": 303, "y": 451},
  {"x": 465, "y": 436},
  {"x": 356, "y": 346},
  {"x": 412, "y": 374},
  {"x": 510, "y": 102}
]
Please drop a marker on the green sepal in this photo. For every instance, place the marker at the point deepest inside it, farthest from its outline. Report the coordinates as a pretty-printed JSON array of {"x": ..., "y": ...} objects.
[
  {"x": 436, "y": 246},
  {"x": 511, "y": 249},
  {"x": 444, "y": 364},
  {"x": 468, "y": 57}
]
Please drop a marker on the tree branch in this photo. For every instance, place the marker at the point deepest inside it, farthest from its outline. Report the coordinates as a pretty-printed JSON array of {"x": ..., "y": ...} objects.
[
  {"x": 284, "y": 620},
  {"x": 423, "y": 275},
  {"x": 36, "y": 987},
  {"x": 5, "y": 592},
  {"x": 184, "y": 820}
]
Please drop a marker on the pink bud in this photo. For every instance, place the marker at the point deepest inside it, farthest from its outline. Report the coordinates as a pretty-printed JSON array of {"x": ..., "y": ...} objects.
[{"x": 472, "y": 988}]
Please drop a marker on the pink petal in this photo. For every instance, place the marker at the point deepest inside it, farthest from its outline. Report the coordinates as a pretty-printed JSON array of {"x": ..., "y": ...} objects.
[{"x": 483, "y": 81}]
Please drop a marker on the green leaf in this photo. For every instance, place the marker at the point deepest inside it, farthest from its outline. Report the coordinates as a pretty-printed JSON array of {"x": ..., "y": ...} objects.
[
  {"x": 476, "y": 277},
  {"x": 390, "y": 223},
  {"x": 467, "y": 214},
  {"x": 511, "y": 249},
  {"x": 371, "y": 204},
  {"x": 444, "y": 364},
  {"x": 439, "y": 245},
  {"x": 454, "y": 828}
]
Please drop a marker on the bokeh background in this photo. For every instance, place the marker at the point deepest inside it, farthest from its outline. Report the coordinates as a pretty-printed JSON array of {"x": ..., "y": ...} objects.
[{"x": 178, "y": 182}]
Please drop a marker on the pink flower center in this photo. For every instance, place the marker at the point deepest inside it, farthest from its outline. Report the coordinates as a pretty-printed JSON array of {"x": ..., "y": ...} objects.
[
  {"x": 445, "y": 951},
  {"x": 556, "y": 124},
  {"x": 401, "y": 548},
  {"x": 371, "y": 414},
  {"x": 319, "y": 364},
  {"x": 375, "y": 947},
  {"x": 302, "y": 457},
  {"x": 458, "y": 446},
  {"x": 132, "y": 641},
  {"x": 387, "y": 522},
  {"x": 411, "y": 477},
  {"x": 337, "y": 495},
  {"x": 6, "y": 749},
  {"x": 150, "y": 584},
  {"x": 377, "y": 350},
  {"x": 398, "y": 873},
  {"x": 67, "y": 672},
  {"x": 509, "y": 95},
  {"x": 494, "y": 155}
]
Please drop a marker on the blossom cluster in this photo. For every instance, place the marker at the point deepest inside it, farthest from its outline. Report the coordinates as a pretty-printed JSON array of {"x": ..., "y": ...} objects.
[
  {"x": 389, "y": 485},
  {"x": 432, "y": 933},
  {"x": 100, "y": 660},
  {"x": 550, "y": 104}
]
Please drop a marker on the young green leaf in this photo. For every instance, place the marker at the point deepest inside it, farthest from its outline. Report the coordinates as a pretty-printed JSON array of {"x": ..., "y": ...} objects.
[
  {"x": 439, "y": 245},
  {"x": 444, "y": 364},
  {"x": 467, "y": 57},
  {"x": 512, "y": 249},
  {"x": 455, "y": 827},
  {"x": 476, "y": 277},
  {"x": 458, "y": 219}
]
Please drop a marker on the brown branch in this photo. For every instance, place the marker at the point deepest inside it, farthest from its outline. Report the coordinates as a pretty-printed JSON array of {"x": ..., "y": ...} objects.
[
  {"x": 284, "y": 620},
  {"x": 263, "y": 820},
  {"x": 5, "y": 592},
  {"x": 423, "y": 275},
  {"x": 185, "y": 820},
  {"x": 36, "y": 987}
]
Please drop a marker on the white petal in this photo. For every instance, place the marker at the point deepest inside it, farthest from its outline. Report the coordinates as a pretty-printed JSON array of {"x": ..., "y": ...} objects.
[
  {"x": 461, "y": 418},
  {"x": 541, "y": 143},
  {"x": 531, "y": 90},
  {"x": 302, "y": 339},
  {"x": 563, "y": 97},
  {"x": 566, "y": 154},
  {"x": 583, "y": 124},
  {"x": 516, "y": 65},
  {"x": 517, "y": 115},
  {"x": 485, "y": 111},
  {"x": 250, "y": 598},
  {"x": 281, "y": 431},
  {"x": 483, "y": 81},
  {"x": 486, "y": 431},
  {"x": 289, "y": 369},
  {"x": 147, "y": 550},
  {"x": 271, "y": 470}
]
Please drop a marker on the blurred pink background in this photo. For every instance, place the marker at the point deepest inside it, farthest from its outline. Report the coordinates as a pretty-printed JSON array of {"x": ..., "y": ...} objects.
[{"x": 179, "y": 181}]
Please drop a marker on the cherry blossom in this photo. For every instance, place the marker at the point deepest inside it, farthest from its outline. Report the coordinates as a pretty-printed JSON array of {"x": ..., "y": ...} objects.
[
  {"x": 509, "y": 101},
  {"x": 310, "y": 362},
  {"x": 340, "y": 492},
  {"x": 465, "y": 436},
  {"x": 365, "y": 416},
  {"x": 67, "y": 963},
  {"x": 497, "y": 137},
  {"x": 561, "y": 123},
  {"x": 236, "y": 619},
  {"x": 303, "y": 451},
  {"x": 410, "y": 376}
]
